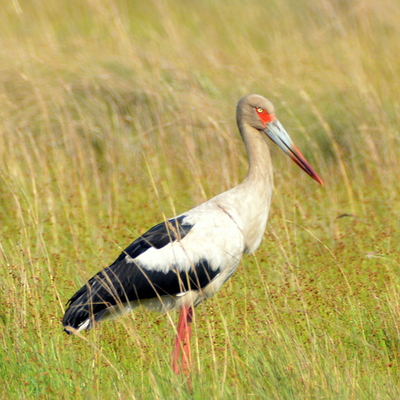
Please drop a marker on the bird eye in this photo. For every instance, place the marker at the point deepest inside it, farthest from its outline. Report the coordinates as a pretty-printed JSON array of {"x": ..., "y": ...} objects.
[{"x": 259, "y": 110}]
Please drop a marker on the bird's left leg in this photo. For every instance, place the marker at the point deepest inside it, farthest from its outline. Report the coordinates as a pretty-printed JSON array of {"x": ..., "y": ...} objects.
[{"x": 182, "y": 341}]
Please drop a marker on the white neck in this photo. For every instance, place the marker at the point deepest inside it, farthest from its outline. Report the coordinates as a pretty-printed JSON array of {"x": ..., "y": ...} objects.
[
  {"x": 252, "y": 198},
  {"x": 260, "y": 165}
]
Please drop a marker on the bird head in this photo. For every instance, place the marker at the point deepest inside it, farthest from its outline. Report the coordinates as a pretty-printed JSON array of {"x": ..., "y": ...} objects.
[{"x": 259, "y": 113}]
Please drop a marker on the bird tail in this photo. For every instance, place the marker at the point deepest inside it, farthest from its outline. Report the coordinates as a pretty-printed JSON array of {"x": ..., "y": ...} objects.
[
  {"x": 87, "y": 307},
  {"x": 78, "y": 315}
]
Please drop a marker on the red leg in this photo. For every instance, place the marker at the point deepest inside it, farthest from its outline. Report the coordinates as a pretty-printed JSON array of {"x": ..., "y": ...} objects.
[
  {"x": 182, "y": 341},
  {"x": 186, "y": 355}
]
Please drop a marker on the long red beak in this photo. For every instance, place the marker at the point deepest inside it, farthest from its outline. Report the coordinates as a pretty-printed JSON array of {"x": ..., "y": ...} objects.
[{"x": 277, "y": 133}]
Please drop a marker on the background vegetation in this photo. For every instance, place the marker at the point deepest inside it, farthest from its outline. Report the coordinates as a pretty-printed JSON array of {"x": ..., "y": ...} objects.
[{"x": 115, "y": 113}]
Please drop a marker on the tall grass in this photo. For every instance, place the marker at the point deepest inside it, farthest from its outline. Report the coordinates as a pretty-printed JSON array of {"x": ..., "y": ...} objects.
[{"x": 115, "y": 114}]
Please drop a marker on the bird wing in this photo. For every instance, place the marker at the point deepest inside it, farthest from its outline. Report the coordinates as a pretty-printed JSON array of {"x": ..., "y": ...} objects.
[{"x": 181, "y": 254}]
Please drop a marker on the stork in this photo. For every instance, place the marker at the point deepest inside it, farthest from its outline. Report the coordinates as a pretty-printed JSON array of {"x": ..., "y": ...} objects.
[{"x": 181, "y": 262}]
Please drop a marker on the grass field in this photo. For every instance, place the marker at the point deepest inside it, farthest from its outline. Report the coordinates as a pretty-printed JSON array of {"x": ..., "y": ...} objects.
[{"x": 114, "y": 114}]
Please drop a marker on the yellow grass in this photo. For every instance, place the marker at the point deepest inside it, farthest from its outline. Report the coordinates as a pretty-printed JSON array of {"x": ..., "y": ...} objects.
[{"x": 114, "y": 114}]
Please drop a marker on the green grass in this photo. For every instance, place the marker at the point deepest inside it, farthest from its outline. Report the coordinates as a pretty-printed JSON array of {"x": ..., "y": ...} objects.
[{"x": 115, "y": 114}]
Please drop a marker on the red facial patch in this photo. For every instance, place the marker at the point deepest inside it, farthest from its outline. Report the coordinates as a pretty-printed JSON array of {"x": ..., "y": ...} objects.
[{"x": 265, "y": 118}]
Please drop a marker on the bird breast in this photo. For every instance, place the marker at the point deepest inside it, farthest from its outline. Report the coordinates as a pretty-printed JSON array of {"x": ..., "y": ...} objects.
[{"x": 248, "y": 208}]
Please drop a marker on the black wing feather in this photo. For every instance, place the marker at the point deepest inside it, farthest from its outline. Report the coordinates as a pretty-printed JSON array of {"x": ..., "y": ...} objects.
[{"x": 124, "y": 281}]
